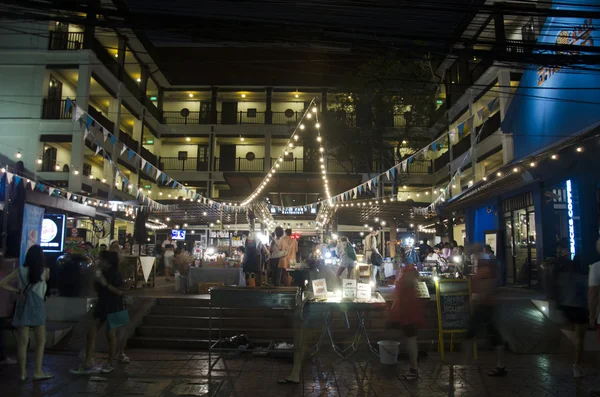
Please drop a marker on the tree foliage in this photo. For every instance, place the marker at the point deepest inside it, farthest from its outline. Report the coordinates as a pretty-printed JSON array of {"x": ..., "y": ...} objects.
[{"x": 382, "y": 93}]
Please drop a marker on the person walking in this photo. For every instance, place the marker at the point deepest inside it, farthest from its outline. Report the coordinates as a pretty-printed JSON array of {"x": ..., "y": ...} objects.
[
  {"x": 570, "y": 283},
  {"x": 110, "y": 301},
  {"x": 485, "y": 285},
  {"x": 370, "y": 245},
  {"x": 347, "y": 261},
  {"x": 278, "y": 254},
  {"x": 407, "y": 312},
  {"x": 30, "y": 311},
  {"x": 168, "y": 247}
]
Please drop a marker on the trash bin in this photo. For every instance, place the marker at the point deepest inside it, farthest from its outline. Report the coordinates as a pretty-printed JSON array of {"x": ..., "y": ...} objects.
[{"x": 388, "y": 351}]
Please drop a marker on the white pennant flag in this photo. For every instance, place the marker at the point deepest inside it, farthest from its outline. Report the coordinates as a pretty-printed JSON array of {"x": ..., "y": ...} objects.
[
  {"x": 123, "y": 149},
  {"x": 452, "y": 135},
  {"x": 68, "y": 196},
  {"x": 370, "y": 184},
  {"x": 10, "y": 176},
  {"x": 355, "y": 191},
  {"x": 51, "y": 191},
  {"x": 105, "y": 133},
  {"x": 85, "y": 134},
  {"x": 425, "y": 151},
  {"x": 78, "y": 113},
  {"x": 32, "y": 184},
  {"x": 404, "y": 166},
  {"x": 143, "y": 163},
  {"x": 98, "y": 148},
  {"x": 387, "y": 173},
  {"x": 158, "y": 173}
]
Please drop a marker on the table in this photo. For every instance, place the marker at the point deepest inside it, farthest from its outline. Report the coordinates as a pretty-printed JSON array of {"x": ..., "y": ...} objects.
[
  {"x": 362, "y": 308},
  {"x": 225, "y": 275}
]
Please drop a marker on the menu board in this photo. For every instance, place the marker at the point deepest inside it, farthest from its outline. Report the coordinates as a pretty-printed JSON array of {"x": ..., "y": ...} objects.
[
  {"x": 363, "y": 291},
  {"x": 348, "y": 288},
  {"x": 422, "y": 290},
  {"x": 320, "y": 288},
  {"x": 454, "y": 304}
]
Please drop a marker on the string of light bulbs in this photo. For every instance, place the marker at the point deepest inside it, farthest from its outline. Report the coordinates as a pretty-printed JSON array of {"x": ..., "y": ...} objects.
[{"x": 289, "y": 146}]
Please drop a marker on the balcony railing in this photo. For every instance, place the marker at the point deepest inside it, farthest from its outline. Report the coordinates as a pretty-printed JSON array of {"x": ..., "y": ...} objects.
[
  {"x": 149, "y": 157},
  {"x": 419, "y": 167},
  {"x": 65, "y": 41},
  {"x": 55, "y": 109},
  {"x": 174, "y": 164},
  {"x": 490, "y": 127},
  {"x": 104, "y": 122},
  {"x": 293, "y": 165},
  {"x": 282, "y": 118},
  {"x": 128, "y": 141},
  {"x": 176, "y": 118},
  {"x": 240, "y": 164}
]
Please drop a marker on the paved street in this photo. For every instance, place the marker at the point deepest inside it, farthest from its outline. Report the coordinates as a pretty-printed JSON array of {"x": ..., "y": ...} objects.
[{"x": 153, "y": 373}]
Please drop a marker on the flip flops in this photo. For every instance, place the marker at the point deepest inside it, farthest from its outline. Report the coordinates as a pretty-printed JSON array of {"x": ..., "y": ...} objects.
[
  {"x": 44, "y": 376},
  {"x": 285, "y": 381}
]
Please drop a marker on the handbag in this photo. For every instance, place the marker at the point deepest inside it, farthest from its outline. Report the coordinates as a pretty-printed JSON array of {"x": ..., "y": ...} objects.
[
  {"x": 118, "y": 319},
  {"x": 376, "y": 259}
]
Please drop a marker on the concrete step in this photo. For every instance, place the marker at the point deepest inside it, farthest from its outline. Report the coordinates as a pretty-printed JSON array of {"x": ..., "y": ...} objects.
[
  {"x": 187, "y": 344},
  {"x": 204, "y": 322},
  {"x": 198, "y": 311},
  {"x": 183, "y": 301},
  {"x": 203, "y": 333}
]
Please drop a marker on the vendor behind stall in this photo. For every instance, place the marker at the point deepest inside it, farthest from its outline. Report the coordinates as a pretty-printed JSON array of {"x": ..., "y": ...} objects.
[{"x": 254, "y": 253}]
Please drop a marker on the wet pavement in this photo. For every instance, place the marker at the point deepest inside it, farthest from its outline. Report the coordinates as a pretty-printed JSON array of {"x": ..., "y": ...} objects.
[{"x": 160, "y": 373}]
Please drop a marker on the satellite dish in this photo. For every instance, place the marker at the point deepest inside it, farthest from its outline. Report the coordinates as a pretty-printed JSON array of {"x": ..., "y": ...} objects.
[{"x": 185, "y": 112}]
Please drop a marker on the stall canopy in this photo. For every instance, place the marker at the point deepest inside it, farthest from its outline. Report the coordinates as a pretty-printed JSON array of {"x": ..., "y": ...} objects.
[{"x": 554, "y": 102}]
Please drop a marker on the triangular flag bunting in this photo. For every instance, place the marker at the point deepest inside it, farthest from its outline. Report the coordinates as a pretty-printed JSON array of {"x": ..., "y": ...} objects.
[
  {"x": 130, "y": 154},
  {"x": 68, "y": 105},
  {"x": 123, "y": 149},
  {"x": 404, "y": 166},
  {"x": 158, "y": 173},
  {"x": 370, "y": 184},
  {"x": 51, "y": 191},
  {"x": 68, "y": 196},
  {"x": 143, "y": 163},
  {"x": 78, "y": 113},
  {"x": 387, "y": 173},
  {"x": 98, "y": 148},
  {"x": 104, "y": 132},
  {"x": 17, "y": 180},
  {"x": 32, "y": 185}
]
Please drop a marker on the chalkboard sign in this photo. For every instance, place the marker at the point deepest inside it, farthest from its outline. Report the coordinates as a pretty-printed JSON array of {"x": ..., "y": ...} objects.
[
  {"x": 453, "y": 299},
  {"x": 455, "y": 312}
]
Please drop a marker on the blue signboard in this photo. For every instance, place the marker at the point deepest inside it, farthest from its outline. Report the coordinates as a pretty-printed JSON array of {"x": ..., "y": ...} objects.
[{"x": 554, "y": 102}]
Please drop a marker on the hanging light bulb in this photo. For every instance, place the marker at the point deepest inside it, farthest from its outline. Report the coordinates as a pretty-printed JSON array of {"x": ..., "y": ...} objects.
[
  {"x": 319, "y": 139},
  {"x": 39, "y": 160},
  {"x": 18, "y": 155},
  {"x": 314, "y": 109},
  {"x": 301, "y": 126},
  {"x": 308, "y": 116}
]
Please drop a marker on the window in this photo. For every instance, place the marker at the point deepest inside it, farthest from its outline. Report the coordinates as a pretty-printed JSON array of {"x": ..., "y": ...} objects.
[
  {"x": 87, "y": 169},
  {"x": 251, "y": 113}
]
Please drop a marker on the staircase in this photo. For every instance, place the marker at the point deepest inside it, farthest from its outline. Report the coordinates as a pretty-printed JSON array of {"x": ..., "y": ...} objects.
[{"x": 184, "y": 323}]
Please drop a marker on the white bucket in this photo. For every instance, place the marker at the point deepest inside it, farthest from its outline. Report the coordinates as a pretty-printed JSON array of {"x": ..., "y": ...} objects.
[{"x": 388, "y": 351}]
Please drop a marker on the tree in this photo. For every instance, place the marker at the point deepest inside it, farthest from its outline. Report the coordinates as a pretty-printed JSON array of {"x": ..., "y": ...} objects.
[{"x": 382, "y": 114}]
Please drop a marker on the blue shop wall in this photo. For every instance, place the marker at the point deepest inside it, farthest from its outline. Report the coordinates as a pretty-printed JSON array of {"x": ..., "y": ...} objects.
[
  {"x": 479, "y": 220},
  {"x": 541, "y": 112}
]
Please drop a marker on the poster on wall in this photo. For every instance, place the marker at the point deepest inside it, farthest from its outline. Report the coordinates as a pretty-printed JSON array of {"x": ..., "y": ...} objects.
[
  {"x": 32, "y": 227},
  {"x": 53, "y": 233},
  {"x": 491, "y": 239}
]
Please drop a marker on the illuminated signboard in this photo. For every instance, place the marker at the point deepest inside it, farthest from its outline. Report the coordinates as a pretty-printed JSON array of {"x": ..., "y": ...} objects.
[
  {"x": 52, "y": 238},
  {"x": 293, "y": 210},
  {"x": 177, "y": 234},
  {"x": 571, "y": 220}
]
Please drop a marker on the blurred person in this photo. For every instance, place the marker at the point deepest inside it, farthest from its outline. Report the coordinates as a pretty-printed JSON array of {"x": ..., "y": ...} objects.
[
  {"x": 432, "y": 259},
  {"x": 487, "y": 250},
  {"x": 370, "y": 243},
  {"x": 287, "y": 244},
  {"x": 110, "y": 300},
  {"x": 278, "y": 254},
  {"x": 346, "y": 261},
  {"x": 30, "y": 311},
  {"x": 446, "y": 251},
  {"x": 168, "y": 247},
  {"x": 6, "y": 308},
  {"x": 423, "y": 249},
  {"x": 454, "y": 246},
  {"x": 114, "y": 246},
  {"x": 407, "y": 312},
  {"x": 241, "y": 250},
  {"x": 484, "y": 286},
  {"x": 570, "y": 283},
  {"x": 254, "y": 252},
  {"x": 477, "y": 254}
]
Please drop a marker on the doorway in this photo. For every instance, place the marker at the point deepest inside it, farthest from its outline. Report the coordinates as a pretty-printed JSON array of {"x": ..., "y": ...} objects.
[
  {"x": 205, "y": 112},
  {"x": 520, "y": 241},
  {"x": 227, "y": 158},
  {"x": 49, "y": 160},
  {"x": 229, "y": 112},
  {"x": 53, "y": 103}
]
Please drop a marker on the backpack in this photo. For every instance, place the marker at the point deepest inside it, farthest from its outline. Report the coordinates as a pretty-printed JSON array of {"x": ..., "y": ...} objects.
[{"x": 350, "y": 251}]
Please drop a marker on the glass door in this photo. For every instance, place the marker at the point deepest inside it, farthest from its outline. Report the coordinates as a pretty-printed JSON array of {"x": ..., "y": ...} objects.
[{"x": 509, "y": 249}]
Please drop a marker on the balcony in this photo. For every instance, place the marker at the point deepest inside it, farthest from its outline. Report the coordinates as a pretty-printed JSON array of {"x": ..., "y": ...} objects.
[
  {"x": 55, "y": 109},
  {"x": 240, "y": 164},
  {"x": 149, "y": 157},
  {"x": 65, "y": 41},
  {"x": 128, "y": 141},
  {"x": 100, "y": 118},
  {"x": 490, "y": 127},
  {"x": 191, "y": 164}
]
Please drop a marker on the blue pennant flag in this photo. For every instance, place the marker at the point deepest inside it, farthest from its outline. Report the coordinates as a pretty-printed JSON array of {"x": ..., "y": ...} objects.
[
  {"x": 125, "y": 181},
  {"x": 411, "y": 159},
  {"x": 17, "y": 180},
  {"x": 130, "y": 154},
  {"x": 163, "y": 177},
  {"x": 148, "y": 165},
  {"x": 360, "y": 188},
  {"x": 374, "y": 180},
  {"x": 113, "y": 139},
  {"x": 88, "y": 121},
  {"x": 174, "y": 184},
  {"x": 68, "y": 105},
  {"x": 41, "y": 187},
  {"x": 393, "y": 172},
  {"x": 434, "y": 146}
]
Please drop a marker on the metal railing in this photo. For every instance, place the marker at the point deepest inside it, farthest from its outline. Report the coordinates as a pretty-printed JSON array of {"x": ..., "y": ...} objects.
[
  {"x": 128, "y": 141},
  {"x": 170, "y": 117},
  {"x": 65, "y": 41},
  {"x": 174, "y": 164},
  {"x": 55, "y": 109},
  {"x": 148, "y": 156},
  {"x": 420, "y": 167},
  {"x": 104, "y": 122},
  {"x": 240, "y": 164},
  {"x": 293, "y": 165}
]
